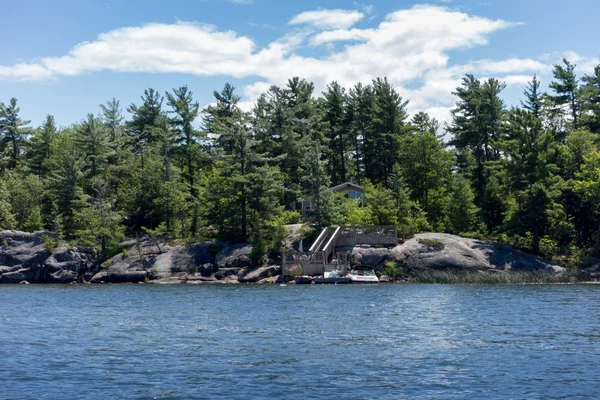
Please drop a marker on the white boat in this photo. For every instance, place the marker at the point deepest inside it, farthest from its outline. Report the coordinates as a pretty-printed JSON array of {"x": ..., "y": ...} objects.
[{"x": 363, "y": 275}]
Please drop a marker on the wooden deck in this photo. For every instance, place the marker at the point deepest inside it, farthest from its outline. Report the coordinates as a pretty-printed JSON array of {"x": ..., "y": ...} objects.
[{"x": 321, "y": 255}]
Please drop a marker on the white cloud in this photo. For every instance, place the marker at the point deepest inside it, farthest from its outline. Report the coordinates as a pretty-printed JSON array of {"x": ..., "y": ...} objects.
[
  {"x": 328, "y": 19},
  {"x": 412, "y": 47}
]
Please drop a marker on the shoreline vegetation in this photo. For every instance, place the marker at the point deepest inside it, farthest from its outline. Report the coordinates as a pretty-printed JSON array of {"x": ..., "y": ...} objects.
[{"x": 165, "y": 176}]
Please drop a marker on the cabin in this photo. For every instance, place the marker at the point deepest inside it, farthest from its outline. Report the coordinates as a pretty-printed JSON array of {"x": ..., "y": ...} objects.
[{"x": 350, "y": 189}]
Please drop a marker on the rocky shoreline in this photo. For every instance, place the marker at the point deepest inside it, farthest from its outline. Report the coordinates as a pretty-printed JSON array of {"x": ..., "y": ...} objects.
[{"x": 26, "y": 258}]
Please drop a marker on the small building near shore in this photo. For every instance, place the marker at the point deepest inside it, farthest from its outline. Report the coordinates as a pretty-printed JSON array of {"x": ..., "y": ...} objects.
[{"x": 349, "y": 189}]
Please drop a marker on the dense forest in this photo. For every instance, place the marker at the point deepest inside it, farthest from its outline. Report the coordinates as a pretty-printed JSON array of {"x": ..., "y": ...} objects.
[{"x": 529, "y": 176}]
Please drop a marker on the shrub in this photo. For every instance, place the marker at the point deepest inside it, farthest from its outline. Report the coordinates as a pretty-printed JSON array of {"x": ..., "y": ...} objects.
[
  {"x": 433, "y": 243},
  {"x": 391, "y": 270},
  {"x": 4, "y": 243},
  {"x": 50, "y": 242},
  {"x": 288, "y": 218},
  {"x": 296, "y": 270},
  {"x": 125, "y": 253}
]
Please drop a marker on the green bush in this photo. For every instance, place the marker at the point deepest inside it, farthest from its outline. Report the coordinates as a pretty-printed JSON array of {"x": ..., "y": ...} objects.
[
  {"x": 125, "y": 253},
  {"x": 436, "y": 244},
  {"x": 50, "y": 242},
  {"x": 288, "y": 218}
]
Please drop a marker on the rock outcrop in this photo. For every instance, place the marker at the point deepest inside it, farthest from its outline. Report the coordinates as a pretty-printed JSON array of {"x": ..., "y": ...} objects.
[
  {"x": 25, "y": 257},
  {"x": 438, "y": 251},
  {"x": 210, "y": 261}
]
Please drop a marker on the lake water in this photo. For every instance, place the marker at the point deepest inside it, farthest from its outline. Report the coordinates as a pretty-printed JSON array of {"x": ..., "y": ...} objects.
[{"x": 299, "y": 342}]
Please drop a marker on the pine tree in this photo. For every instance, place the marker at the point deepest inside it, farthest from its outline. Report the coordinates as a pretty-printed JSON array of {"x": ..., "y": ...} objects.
[
  {"x": 13, "y": 132},
  {"x": 112, "y": 117},
  {"x": 184, "y": 111},
  {"x": 380, "y": 202},
  {"x": 40, "y": 146},
  {"x": 98, "y": 224},
  {"x": 565, "y": 87},
  {"x": 588, "y": 185},
  {"x": 388, "y": 121},
  {"x": 144, "y": 126},
  {"x": 359, "y": 111},
  {"x": 590, "y": 100},
  {"x": 533, "y": 97},
  {"x": 461, "y": 210},
  {"x": 534, "y": 177},
  {"x": 93, "y": 140},
  {"x": 66, "y": 179},
  {"x": 335, "y": 118}
]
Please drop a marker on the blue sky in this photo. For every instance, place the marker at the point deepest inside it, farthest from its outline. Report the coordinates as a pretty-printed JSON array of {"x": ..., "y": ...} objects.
[{"x": 65, "y": 57}]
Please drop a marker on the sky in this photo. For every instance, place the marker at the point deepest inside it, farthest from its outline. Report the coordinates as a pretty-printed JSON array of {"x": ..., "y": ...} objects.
[{"x": 66, "y": 57}]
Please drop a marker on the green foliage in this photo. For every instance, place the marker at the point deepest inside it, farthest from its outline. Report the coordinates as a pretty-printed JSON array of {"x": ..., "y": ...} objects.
[
  {"x": 460, "y": 210},
  {"x": 7, "y": 218},
  {"x": 380, "y": 203},
  {"x": 26, "y": 193},
  {"x": 433, "y": 243},
  {"x": 50, "y": 242},
  {"x": 288, "y": 218},
  {"x": 529, "y": 175},
  {"x": 391, "y": 270}
]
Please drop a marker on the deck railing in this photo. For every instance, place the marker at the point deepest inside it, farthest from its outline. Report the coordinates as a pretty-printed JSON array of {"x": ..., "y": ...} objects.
[{"x": 372, "y": 235}]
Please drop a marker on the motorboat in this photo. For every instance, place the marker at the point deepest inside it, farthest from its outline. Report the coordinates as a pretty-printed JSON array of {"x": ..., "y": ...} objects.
[
  {"x": 362, "y": 274},
  {"x": 332, "y": 278}
]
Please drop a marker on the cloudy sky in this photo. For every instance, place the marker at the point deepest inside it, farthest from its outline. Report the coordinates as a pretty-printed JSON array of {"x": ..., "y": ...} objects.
[{"x": 65, "y": 57}]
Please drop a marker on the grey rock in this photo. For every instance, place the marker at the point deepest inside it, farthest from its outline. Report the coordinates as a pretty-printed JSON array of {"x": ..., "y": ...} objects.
[
  {"x": 24, "y": 249},
  {"x": 460, "y": 253},
  {"x": 226, "y": 272},
  {"x": 255, "y": 275},
  {"x": 234, "y": 256},
  {"x": 373, "y": 257}
]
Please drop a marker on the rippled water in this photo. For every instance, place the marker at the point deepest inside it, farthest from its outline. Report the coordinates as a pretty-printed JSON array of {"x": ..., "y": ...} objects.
[{"x": 298, "y": 342}]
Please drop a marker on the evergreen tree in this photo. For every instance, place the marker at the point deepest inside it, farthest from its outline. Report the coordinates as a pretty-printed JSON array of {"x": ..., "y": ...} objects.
[
  {"x": 93, "y": 140},
  {"x": 40, "y": 146},
  {"x": 98, "y": 224},
  {"x": 534, "y": 177},
  {"x": 144, "y": 125},
  {"x": 359, "y": 111},
  {"x": 461, "y": 210},
  {"x": 380, "y": 202},
  {"x": 388, "y": 121},
  {"x": 335, "y": 118},
  {"x": 112, "y": 117},
  {"x": 588, "y": 185},
  {"x": 533, "y": 97},
  {"x": 426, "y": 166},
  {"x": 185, "y": 111},
  {"x": 66, "y": 179},
  {"x": 26, "y": 193},
  {"x": 565, "y": 87},
  {"x": 589, "y": 94},
  {"x": 7, "y": 218},
  {"x": 13, "y": 132}
]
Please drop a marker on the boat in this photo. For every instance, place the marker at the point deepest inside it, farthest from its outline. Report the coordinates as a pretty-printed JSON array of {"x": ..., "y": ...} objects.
[
  {"x": 332, "y": 278},
  {"x": 303, "y": 280},
  {"x": 362, "y": 274}
]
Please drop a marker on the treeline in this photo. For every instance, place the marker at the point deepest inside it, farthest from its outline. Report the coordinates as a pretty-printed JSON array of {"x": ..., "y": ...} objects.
[{"x": 527, "y": 175}]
